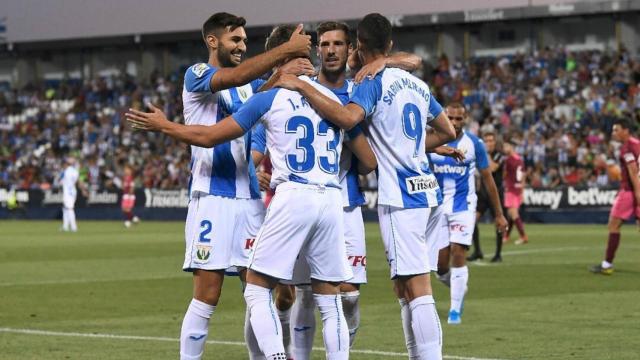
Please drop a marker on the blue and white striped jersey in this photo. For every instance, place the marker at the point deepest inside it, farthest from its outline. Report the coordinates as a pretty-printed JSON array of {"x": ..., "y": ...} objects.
[
  {"x": 457, "y": 180},
  {"x": 398, "y": 107},
  {"x": 226, "y": 169},
  {"x": 303, "y": 147}
]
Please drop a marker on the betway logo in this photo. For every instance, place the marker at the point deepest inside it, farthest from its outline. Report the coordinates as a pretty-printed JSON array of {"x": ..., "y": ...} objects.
[
  {"x": 546, "y": 198},
  {"x": 591, "y": 197},
  {"x": 449, "y": 169}
]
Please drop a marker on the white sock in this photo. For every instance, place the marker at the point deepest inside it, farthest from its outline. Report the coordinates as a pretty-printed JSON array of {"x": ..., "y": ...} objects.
[
  {"x": 285, "y": 322},
  {"x": 72, "y": 220},
  {"x": 459, "y": 280},
  {"x": 334, "y": 326},
  {"x": 250, "y": 338},
  {"x": 605, "y": 264},
  {"x": 303, "y": 323},
  {"x": 351, "y": 308},
  {"x": 409, "y": 338},
  {"x": 195, "y": 328},
  {"x": 426, "y": 328},
  {"x": 65, "y": 219},
  {"x": 264, "y": 321}
]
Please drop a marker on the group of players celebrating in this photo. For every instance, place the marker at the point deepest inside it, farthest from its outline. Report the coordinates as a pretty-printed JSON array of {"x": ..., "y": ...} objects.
[{"x": 319, "y": 133}]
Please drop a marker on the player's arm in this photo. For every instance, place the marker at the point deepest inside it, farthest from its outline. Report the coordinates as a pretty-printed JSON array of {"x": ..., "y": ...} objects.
[
  {"x": 494, "y": 197},
  {"x": 297, "y": 67},
  {"x": 360, "y": 147},
  {"x": 442, "y": 134},
  {"x": 227, "y": 129},
  {"x": 345, "y": 117},
  {"x": 634, "y": 177},
  {"x": 448, "y": 151},
  {"x": 252, "y": 68},
  {"x": 483, "y": 162},
  {"x": 198, "y": 135},
  {"x": 402, "y": 60}
]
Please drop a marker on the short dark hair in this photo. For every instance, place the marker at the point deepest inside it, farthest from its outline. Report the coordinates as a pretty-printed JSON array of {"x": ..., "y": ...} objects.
[
  {"x": 331, "y": 26},
  {"x": 489, "y": 133},
  {"x": 456, "y": 105},
  {"x": 624, "y": 123},
  {"x": 279, "y": 35},
  {"x": 219, "y": 21},
  {"x": 374, "y": 32}
]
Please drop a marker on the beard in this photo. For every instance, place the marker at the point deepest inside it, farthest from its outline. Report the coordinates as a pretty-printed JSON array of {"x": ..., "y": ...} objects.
[{"x": 224, "y": 57}]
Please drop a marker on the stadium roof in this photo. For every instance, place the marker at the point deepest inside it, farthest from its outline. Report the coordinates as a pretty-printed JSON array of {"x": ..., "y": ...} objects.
[{"x": 37, "y": 21}]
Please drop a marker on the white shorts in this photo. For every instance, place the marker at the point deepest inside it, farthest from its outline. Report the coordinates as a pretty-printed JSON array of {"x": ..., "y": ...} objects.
[
  {"x": 220, "y": 232},
  {"x": 303, "y": 220},
  {"x": 356, "y": 251},
  {"x": 404, "y": 234},
  {"x": 68, "y": 202},
  {"x": 453, "y": 227}
]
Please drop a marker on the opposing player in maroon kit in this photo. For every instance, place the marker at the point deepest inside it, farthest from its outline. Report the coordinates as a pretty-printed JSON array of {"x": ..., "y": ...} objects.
[
  {"x": 514, "y": 179},
  {"x": 627, "y": 202},
  {"x": 128, "y": 197}
]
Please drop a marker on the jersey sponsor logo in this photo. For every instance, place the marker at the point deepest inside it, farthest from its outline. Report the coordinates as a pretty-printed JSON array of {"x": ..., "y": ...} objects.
[
  {"x": 203, "y": 253},
  {"x": 199, "y": 69},
  {"x": 458, "y": 228},
  {"x": 248, "y": 244},
  {"x": 449, "y": 169},
  {"x": 356, "y": 260},
  {"x": 243, "y": 94},
  {"x": 418, "y": 184}
]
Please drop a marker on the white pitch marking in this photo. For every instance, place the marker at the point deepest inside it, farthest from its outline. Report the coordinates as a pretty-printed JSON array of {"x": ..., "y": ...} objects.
[{"x": 215, "y": 342}]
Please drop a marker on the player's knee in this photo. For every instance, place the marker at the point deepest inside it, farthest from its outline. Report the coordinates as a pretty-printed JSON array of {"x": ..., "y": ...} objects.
[
  {"x": 285, "y": 297},
  {"x": 208, "y": 296}
]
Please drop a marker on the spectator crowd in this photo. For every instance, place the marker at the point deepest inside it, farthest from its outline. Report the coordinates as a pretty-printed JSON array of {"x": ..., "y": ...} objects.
[{"x": 558, "y": 106}]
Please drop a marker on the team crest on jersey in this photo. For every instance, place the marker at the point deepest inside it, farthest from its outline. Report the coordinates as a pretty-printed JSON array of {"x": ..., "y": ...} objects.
[
  {"x": 199, "y": 69},
  {"x": 243, "y": 95},
  {"x": 203, "y": 253}
]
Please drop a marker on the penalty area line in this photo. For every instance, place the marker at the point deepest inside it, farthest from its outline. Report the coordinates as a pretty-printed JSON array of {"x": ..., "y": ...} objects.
[{"x": 214, "y": 342}]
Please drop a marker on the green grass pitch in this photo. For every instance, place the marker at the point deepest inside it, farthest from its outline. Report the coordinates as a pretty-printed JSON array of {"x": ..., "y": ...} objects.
[{"x": 112, "y": 293}]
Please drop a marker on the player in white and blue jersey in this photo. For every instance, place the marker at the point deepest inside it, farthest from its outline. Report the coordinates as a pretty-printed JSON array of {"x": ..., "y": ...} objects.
[
  {"x": 69, "y": 182},
  {"x": 398, "y": 107},
  {"x": 453, "y": 221},
  {"x": 225, "y": 210},
  {"x": 305, "y": 151}
]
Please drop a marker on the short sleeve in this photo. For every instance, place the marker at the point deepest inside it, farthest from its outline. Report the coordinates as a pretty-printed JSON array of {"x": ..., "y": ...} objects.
[
  {"x": 252, "y": 110},
  {"x": 259, "y": 138},
  {"x": 367, "y": 94},
  {"x": 198, "y": 77},
  {"x": 482, "y": 159},
  {"x": 256, "y": 84},
  {"x": 434, "y": 108}
]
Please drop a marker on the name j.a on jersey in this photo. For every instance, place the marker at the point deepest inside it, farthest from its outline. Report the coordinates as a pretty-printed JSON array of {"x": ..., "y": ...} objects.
[{"x": 450, "y": 169}]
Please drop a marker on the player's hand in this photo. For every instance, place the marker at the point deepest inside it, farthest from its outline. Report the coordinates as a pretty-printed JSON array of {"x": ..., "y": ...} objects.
[
  {"x": 287, "y": 81},
  {"x": 149, "y": 121},
  {"x": 501, "y": 224},
  {"x": 264, "y": 180},
  {"x": 297, "y": 67},
  {"x": 370, "y": 70},
  {"x": 451, "y": 152},
  {"x": 299, "y": 44}
]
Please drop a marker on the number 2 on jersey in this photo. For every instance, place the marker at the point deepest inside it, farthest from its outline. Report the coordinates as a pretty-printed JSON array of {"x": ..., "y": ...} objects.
[
  {"x": 411, "y": 125},
  {"x": 305, "y": 143}
]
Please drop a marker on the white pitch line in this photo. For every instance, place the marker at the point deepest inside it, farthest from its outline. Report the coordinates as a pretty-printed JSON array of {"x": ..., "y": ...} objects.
[
  {"x": 83, "y": 281},
  {"x": 215, "y": 342}
]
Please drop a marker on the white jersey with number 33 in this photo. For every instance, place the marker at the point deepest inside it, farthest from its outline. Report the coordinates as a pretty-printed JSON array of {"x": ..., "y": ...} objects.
[
  {"x": 399, "y": 106},
  {"x": 303, "y": 147}
]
